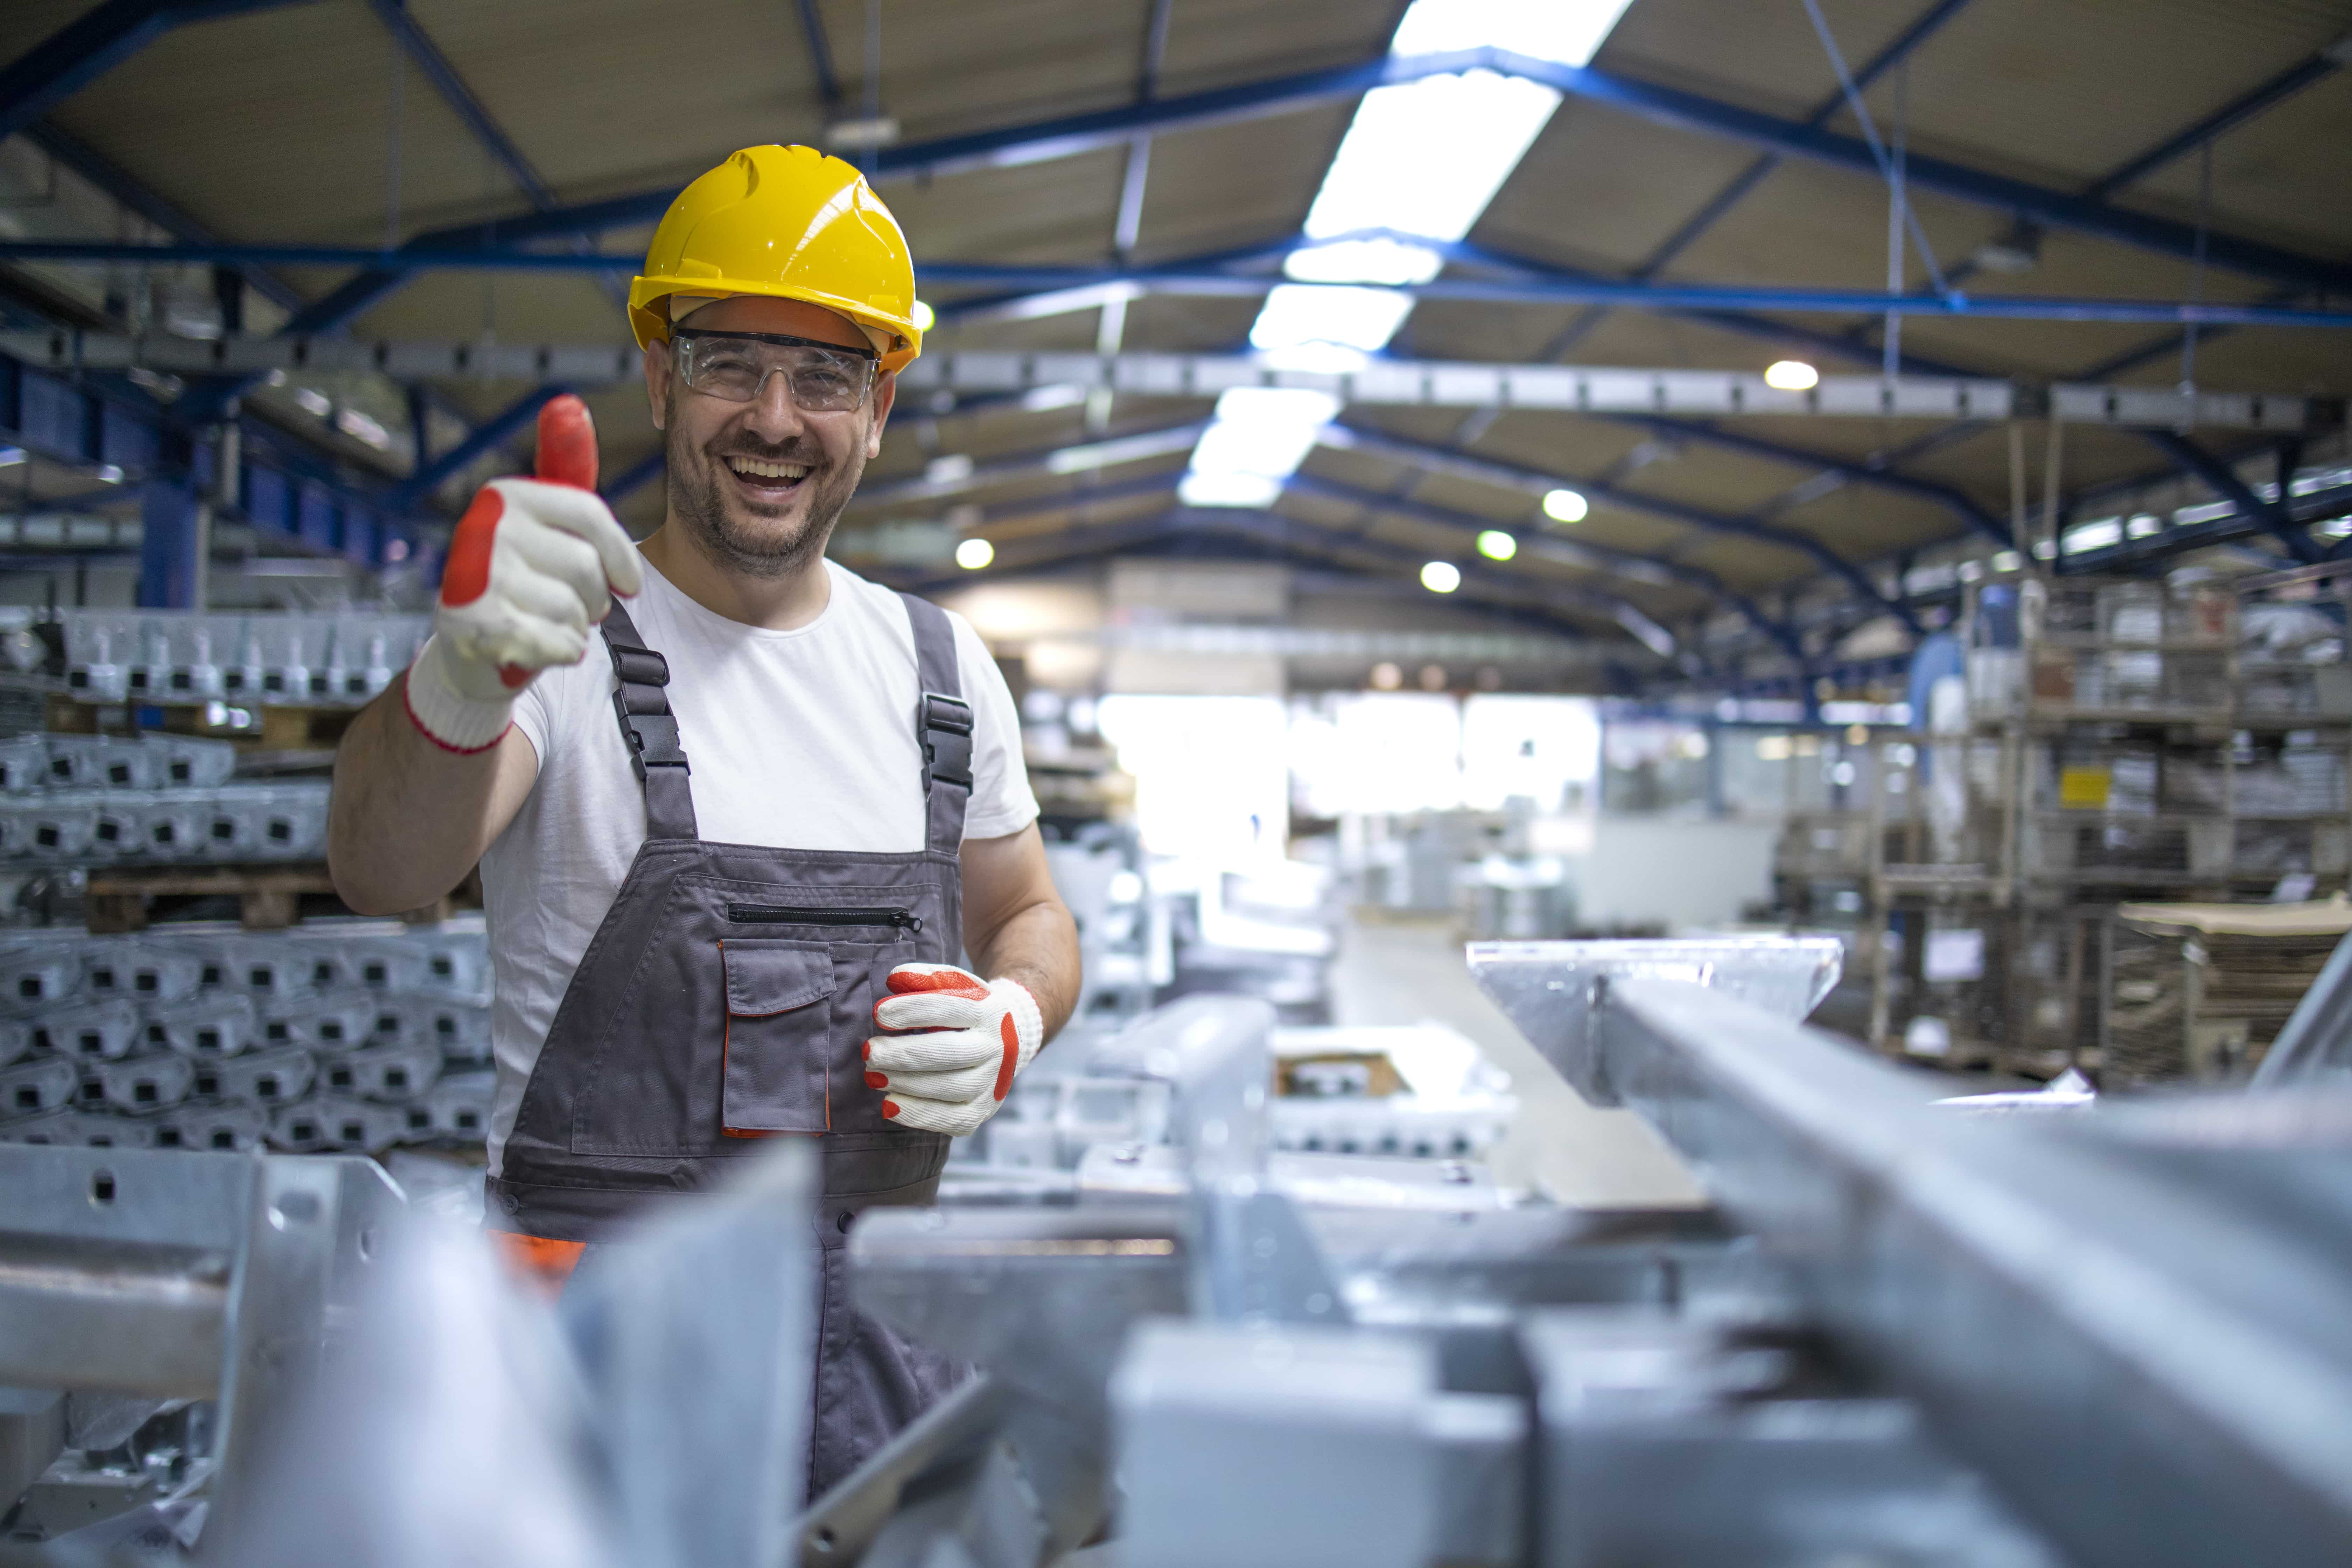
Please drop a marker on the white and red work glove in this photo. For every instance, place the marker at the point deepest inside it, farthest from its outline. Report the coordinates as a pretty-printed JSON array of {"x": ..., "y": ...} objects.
[
  {"x": 533, "y": 565},
  {"x": 950, "y": 1046}
]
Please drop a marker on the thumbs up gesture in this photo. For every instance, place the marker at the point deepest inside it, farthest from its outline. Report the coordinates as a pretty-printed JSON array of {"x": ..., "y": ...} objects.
[{"x": 532, "y": 566}]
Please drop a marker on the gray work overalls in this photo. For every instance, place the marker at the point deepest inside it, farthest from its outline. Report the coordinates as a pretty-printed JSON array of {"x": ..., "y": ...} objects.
[{"x": 726, "y": 998}]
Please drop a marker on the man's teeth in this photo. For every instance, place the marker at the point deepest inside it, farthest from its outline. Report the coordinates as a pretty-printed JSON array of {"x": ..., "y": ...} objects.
[{"x": 752, "y": 468}]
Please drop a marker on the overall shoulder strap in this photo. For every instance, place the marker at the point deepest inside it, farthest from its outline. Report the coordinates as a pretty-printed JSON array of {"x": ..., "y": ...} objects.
[
  {"x": 942, "y": 725},
  {"x": 649, "y": 729}
]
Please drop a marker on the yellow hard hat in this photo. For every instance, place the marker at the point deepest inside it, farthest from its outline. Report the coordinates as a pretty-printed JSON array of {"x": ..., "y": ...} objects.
[{"x": 790, "y": 223}]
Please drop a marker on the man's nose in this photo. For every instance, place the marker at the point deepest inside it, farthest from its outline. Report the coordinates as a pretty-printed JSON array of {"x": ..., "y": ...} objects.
[{"x": 775, "y": 416}]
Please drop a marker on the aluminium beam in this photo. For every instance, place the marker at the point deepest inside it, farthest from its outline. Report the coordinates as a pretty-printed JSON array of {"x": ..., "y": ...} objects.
[{"x": 2135, "y": 1321}]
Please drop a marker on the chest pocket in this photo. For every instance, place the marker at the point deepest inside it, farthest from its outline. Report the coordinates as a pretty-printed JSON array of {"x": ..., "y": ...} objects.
[{"x": 779, "y": 996}]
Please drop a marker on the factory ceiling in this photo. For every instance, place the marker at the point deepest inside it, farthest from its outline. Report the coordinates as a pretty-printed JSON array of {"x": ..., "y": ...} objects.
[{"x": 1137, "y": 154}]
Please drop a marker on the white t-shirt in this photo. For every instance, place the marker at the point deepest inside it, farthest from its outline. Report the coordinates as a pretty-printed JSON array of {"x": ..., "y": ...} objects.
[{"x": 800, "y": 739}]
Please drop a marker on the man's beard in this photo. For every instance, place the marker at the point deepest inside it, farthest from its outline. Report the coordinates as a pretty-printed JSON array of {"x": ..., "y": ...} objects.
[{"x": 765, "y": 548}]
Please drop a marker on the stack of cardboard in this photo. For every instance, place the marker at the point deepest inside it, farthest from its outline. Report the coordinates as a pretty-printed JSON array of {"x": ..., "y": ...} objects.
[{"x": 2199, "y": 991}]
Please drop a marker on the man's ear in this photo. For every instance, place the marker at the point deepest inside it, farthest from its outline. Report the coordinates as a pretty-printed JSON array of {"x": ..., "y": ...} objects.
[
  {"x": 885, "y": 394},
  {"x": 657, "y": 374}
]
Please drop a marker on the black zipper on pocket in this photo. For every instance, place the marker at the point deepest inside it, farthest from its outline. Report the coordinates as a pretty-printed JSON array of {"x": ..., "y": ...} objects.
[{"x": 811, "y": 915}]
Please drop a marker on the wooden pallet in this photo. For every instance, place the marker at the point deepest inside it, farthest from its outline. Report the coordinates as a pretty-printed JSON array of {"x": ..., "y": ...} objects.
[
  {"x": 288, "y": 727},
  {"x": 269, "y": 898}
]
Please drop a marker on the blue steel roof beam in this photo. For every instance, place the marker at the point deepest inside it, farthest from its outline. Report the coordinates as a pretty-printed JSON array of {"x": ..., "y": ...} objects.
[
  {"x": 108, "y": 177},
  {"x": 2255, "y": 101},
  {"x": 1113, "y": 539},
  {"x": 1071, "y": 134},
  {"x": 1532, "y": 482},
  {"x": 1506, "y": 586},
  {"x": 635, "y": 477},
  {"x": 1956, "y": 501},
  {"x": 2275, "y": 517},
  {"x": 484, "y": 439},
  {"x": 1563, "y": 290},
  {"x": 1703, "y": 301},
  {"x": 828, "y": 80},
  {"x": 1600, "y": 559},
  {"x": 2055, "y": 209},
  {"x": 1896, "y": 51},
  {"x": 426, "y": 56},
  {"x": 94, "y": 43}
]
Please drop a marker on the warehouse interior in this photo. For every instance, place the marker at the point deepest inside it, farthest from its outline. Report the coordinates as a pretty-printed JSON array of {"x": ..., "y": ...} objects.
[{"x": 1681, "y": 669}]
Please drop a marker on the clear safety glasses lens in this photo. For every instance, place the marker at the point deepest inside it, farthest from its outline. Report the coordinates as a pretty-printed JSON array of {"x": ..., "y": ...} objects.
[{"x": 821, "y": 380}]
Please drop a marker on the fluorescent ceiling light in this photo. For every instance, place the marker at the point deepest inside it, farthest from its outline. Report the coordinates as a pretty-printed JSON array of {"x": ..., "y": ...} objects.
[
  {"x": 1565, "y": 506},
  {"x": 1298, "y": 313},
  {"x": 1259, "y": 437},
  {"x": 1197, "y": 488},
  {"x": 972, "y": 555},
  {"x": 1791, "y": 375},
  {"x": 1390, "y": 261},
  {"x": 1426, "y": 157},
  {"x": 923, "y": 316},
  {"x": 1123, "y": 449},
  {"x": 1496, "y": 545},
  {"x": 1568, "y": 31},
  {"x": 1420, "y": 158},
  {"x": 1440, "y": 576},
  {"x": 1061, "y": 395}
]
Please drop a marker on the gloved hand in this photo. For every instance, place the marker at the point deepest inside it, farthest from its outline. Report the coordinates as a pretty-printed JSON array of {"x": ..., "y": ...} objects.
[
  {"x": 532, "y": 566},
  {"x": 951, "y": 1046}
]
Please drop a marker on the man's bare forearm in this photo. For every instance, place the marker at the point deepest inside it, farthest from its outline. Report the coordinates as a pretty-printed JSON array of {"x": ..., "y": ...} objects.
[
  {"x": 1038, "y": 947},
  {"x": 409, "y": 818}
]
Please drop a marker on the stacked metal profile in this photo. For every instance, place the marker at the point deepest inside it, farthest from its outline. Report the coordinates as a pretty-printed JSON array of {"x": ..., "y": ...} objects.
[
  {"x": 181, "y": 655},
  {"x": 152, "y": 798},
  {"x": 1902, "y": 1332},
  {"x": 343, "y": 1037}
]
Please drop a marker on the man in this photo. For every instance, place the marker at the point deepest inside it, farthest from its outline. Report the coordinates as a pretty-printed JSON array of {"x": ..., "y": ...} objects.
[{"x": 753, "y": 815}]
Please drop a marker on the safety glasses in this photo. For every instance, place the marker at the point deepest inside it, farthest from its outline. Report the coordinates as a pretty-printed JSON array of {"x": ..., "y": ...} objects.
[{"x": 823, "y": 378}]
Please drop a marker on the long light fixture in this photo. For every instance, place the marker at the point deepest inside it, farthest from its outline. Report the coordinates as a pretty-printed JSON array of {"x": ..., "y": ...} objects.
[
  {"x": 1259, "y": 437},
  {"x": 1420, "y": 158}
]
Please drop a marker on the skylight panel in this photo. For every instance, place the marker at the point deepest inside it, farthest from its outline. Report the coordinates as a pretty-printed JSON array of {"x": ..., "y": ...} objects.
[
  {"x": 1420, "y": 158},
  {"x": 1568, "y": 32},
  {"x": 1259, "y": 437},
  {"x": 1426, "y": 157},
  {"x": 1307, "y": 315}
]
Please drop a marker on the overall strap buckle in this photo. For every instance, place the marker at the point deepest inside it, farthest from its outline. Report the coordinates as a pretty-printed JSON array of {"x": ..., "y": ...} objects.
[
  {"x": 643, "y": 709},
  {"x": 947, "y": 741}
]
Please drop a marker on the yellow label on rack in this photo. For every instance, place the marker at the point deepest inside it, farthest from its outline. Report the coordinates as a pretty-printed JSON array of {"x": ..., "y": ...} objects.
[{"x": 2084, "y": 789}]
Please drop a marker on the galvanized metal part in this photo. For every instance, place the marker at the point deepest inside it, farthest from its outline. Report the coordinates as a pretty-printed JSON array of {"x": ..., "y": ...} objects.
[{"x": 1553, "y": 990}]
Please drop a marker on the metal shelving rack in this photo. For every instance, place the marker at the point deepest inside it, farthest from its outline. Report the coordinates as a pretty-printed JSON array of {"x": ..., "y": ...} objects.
[{"x": 2112, "y": 749}]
